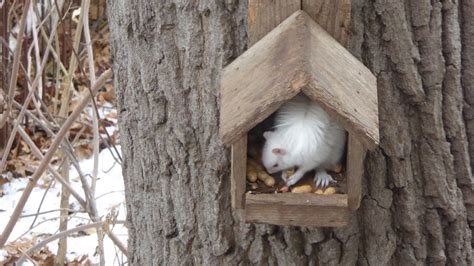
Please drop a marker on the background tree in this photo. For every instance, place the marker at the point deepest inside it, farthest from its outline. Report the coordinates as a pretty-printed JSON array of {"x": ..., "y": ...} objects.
[{"x": 418, "y": 201}]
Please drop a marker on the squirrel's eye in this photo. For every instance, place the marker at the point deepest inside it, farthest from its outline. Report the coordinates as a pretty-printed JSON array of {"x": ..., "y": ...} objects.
[{"x": 275, "y": 165}]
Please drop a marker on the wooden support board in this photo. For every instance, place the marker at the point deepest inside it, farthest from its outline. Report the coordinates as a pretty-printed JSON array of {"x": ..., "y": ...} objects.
[
  {"x": 305, "y": 209},
  {"x": 265, "y": 15},
  {"x": 333, "y": 15},
  {"x": 355, "y": 171},
  {"x": 238, "y": 172}
]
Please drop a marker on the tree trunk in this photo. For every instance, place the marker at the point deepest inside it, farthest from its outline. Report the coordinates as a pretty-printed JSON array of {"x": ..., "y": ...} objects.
[{"x": 418, "y": 200}]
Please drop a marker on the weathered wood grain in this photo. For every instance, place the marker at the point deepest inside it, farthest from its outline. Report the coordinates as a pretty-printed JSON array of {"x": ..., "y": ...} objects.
[
  {"x": 306, "y": 209},
  {"x": 265, "y": 15},
  {"x": 301, "y": 199},
  {"x": 342, "y": 85},
  {"x": 355, "y": 170},
  {"x": 238, "y": 172},
  {"x": 333, "y": 15},
  {"x": 297, "y": 56}
]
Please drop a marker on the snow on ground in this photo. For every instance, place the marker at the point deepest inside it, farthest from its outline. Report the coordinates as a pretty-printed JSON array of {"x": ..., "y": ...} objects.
[{"x": 109, "y": 196}]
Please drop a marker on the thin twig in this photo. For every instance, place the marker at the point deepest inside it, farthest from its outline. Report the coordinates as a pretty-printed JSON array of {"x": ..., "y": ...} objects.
[
  {"x": 117, "y": 242},
  {"x": 41, "y": 203},
  {"x": 65, "y": 233},
  {"x": 39, "y": 122},
  {"x": 63, "y": 111},
  {"x": 110, "y": 192},
  {"x": 63, "y": 215},
  {"x": 95, "y": 121},
  {"x": 28, "y": 257},
  {"x": 35, "y": 99},
  {"x": 75, "y": 60},
  {"x": 72, "y": 66},
  {"x": 37, "y": 49},
  {"x": 48, "y": 220},
  {"x": 38, "y": 224},
  {"x": 45, "y": 212}
]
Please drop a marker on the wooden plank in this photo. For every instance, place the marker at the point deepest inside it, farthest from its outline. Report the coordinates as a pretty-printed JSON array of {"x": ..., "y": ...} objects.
[
  {"x": 305, "y": 209},
  {"x": 265, "y": 15},
  {"x": 238, "y": 172},
  {"x": 343, "y": 86},
  {"x": 301, "y": 199},
  {"x": 333, "y": 15},
  {"x": 355, "y": 171}
]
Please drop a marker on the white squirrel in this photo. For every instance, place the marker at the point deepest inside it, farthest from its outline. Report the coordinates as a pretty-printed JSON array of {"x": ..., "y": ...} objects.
[{"x": 306, "y": 137}]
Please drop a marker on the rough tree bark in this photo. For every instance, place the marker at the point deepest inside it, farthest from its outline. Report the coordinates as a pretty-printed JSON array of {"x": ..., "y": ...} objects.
[{"x": 418, "y": 200}]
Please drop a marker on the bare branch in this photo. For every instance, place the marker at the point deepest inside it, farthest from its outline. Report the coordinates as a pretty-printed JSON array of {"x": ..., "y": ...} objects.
[
  {"x": 117, "y": 242},
  {"x": 95, "y": 121},
  {"x": 45, "y": 212}
]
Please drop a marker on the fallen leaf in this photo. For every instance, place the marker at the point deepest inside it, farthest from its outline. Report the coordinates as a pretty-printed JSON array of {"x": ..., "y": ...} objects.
[{"x": 83, "y": 151}]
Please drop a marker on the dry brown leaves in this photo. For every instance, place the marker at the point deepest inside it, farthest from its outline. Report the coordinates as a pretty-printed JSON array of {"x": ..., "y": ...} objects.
[
  {"x": 43, "y": 257},
  {"x": 82, "y": 261},
  {"x": 16, "y": 250}
]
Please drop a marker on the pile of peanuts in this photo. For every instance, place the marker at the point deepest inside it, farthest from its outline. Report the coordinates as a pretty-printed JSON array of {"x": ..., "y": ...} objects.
[{"x": 255, "y": 171}]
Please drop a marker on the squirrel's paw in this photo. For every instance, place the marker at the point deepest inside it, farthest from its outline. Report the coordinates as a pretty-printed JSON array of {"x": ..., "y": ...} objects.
[
  {"x": 291, "y": 181},
  {"x": 284, "y": 176},
  {"x": 322, "y": 179}
]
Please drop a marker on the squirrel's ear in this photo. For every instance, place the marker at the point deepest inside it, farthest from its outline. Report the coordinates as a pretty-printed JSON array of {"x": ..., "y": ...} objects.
[
  {"x": 278, "y": 151},
  {"x": 267, "y": 134}
]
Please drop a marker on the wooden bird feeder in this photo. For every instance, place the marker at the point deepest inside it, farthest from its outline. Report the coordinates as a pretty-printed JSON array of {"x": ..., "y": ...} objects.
[{"x": 298, "y": 56}]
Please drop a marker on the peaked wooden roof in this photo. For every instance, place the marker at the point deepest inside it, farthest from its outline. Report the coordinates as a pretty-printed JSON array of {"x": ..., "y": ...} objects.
[{"x": 298, "y": 56}]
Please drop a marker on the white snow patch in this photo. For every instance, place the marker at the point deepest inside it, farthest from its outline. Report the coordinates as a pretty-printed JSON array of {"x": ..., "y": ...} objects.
[{"x": 109, "y": 195}]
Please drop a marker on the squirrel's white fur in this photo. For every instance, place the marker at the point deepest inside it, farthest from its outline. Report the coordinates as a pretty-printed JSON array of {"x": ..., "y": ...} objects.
[{"x": 306, "y": 137}]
